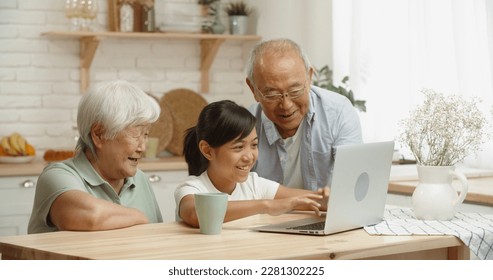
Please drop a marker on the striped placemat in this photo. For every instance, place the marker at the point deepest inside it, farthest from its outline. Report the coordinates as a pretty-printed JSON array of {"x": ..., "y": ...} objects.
[{"x": 474, "y": 229}]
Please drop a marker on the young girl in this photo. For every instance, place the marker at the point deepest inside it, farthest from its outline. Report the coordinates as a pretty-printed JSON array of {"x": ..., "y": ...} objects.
[{"x": 220, "y": 151}]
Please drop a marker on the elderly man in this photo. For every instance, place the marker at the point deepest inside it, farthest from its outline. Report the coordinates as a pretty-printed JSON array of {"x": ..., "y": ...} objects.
[{"x": 298, "y": 124}]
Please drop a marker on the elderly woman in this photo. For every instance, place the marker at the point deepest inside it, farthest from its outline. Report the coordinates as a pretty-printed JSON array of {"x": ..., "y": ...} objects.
[{"x": 101, "y": 187}]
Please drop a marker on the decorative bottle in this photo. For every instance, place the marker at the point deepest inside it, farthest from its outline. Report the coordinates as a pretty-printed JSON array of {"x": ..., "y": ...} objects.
[
  {"x": 217, "y": 26},
  {"x": 148, "y": 16},
  {"x": 126, "y": 17}
]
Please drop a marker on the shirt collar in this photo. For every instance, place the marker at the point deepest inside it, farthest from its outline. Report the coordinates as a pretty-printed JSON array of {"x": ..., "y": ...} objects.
[
  {"x": 270, "y": 129},
  {"x": 310, "y": 115},
  {"x": 89, "y": 174}
]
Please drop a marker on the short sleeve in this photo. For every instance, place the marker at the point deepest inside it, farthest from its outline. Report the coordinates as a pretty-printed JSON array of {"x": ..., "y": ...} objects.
[
  {"x": 266, "y": 187},
  {"x": 54, "y": 181}
]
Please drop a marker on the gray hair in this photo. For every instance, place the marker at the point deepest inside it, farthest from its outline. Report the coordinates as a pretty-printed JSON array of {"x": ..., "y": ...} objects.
[
  {"x": 277, "y": 45},
  {"x": 116, "y": 105}
]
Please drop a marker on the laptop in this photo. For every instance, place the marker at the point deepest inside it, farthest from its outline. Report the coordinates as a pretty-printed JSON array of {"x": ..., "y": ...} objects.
[{"x": 358, "y": 192}]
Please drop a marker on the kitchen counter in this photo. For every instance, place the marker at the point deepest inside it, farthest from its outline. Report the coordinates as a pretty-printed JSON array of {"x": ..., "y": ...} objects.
[
  {"x": 409, "y": 172},
  {"x": 480, "y": 189},
  {"x": 36, "y": 167},
  {"x": 404, "y": 179}
]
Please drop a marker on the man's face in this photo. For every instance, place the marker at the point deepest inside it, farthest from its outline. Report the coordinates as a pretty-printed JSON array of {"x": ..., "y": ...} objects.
[{"x": 280, "y": 74}]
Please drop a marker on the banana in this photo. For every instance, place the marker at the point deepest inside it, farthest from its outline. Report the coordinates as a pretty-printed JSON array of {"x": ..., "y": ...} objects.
[
  {"x": 6, "y": 145},
  {"x": 14, "y": 145},
  {"x": 21, "y": 142}
]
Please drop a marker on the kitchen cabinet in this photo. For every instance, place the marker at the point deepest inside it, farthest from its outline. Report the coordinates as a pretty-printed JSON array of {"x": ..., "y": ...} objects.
[
  {"x": 89, "y": 42},
  {"x": 164, "y": 184},
  {"x": 16, "y": 201}
]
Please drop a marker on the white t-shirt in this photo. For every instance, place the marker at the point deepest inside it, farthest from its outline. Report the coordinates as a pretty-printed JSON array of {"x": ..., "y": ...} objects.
[
  {"x": 293, "y": 179},
  {"x": 254, "y": 187}
]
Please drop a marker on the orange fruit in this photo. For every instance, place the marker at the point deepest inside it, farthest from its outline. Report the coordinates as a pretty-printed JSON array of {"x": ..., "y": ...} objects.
[
  {"x": 2, "y": 152},
  {"x": 30, "y": 151}
]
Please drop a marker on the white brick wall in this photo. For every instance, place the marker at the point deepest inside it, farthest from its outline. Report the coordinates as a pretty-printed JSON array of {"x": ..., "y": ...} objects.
[{"x": 39, "y": 76}]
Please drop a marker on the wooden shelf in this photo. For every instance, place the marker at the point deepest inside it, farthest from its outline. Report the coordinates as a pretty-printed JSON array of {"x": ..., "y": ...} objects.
[{"x": 89, "y": 42}]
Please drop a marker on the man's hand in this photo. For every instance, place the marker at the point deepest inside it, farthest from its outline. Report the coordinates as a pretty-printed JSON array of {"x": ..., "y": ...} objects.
[{"x": 325, "y": 193}]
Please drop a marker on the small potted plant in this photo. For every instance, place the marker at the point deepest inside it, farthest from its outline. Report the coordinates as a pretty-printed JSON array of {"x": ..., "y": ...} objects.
[{"x": 238, "y": 13}]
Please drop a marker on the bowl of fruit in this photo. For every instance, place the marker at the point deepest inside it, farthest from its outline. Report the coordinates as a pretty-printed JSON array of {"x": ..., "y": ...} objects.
[{"x": 15, "y": 149}]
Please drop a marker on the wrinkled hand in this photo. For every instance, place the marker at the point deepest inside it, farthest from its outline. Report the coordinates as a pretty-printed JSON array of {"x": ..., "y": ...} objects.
[{"x": 308, "y": 201}]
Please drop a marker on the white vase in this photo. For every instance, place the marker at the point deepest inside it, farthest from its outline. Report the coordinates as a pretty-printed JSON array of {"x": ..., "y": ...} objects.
[
  {"x": 217, "y": 26},
  {"x": 434, "y": 197},
  {"x": 238, "y": 25}
]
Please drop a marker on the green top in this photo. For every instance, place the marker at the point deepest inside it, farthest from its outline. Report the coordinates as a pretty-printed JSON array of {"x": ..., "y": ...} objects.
[{"x": 78, "y": 174}]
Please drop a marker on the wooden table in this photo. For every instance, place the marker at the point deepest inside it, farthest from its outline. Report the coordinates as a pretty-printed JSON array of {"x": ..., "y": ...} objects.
[{"x": 177, "y": 241}]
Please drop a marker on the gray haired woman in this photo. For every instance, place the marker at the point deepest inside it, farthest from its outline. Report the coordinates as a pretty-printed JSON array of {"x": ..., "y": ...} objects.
[{"x": 101, "y": 187}]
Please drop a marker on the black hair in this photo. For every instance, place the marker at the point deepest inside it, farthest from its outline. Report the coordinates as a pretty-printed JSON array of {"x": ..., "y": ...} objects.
[{"x": 219, "y": 122}]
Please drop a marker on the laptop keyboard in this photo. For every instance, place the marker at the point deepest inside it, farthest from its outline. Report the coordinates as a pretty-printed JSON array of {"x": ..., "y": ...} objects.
[{"x": 314, "y": 226}]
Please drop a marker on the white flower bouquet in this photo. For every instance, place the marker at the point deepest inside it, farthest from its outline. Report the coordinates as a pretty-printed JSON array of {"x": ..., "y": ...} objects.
[{"x": 444, "y": 129}]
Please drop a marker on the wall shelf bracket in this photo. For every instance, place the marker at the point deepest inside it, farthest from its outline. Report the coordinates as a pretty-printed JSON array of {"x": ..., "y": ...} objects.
[
  {"x": 88, "y": 47},
  {"x": 208, "y": 49}
]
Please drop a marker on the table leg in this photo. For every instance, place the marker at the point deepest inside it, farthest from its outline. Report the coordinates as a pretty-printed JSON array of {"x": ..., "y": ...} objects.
[{"x": 461, "y": 252}]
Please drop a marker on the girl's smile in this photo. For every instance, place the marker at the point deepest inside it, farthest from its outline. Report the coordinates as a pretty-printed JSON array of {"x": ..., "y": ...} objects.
[{"x": 232, "y": 162}]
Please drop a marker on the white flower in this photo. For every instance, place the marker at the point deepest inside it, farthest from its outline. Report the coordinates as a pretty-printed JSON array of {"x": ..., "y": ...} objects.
[{"x": 444, "y": 129}]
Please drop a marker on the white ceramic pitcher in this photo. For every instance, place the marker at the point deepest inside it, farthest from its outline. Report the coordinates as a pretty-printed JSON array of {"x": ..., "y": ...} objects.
[{"x": 435, "y": 198}]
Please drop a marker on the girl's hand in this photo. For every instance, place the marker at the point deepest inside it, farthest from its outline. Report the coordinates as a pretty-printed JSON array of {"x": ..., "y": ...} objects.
[{"x": 307, "y": 201}]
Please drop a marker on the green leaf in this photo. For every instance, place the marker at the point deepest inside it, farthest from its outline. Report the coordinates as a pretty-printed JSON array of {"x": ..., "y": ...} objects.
[{"x": 323, "y": 79}]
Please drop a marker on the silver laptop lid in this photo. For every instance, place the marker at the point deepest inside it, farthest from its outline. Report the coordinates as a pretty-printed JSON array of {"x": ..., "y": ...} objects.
[
  {"x": 359, "y": 185},
  {"x": 358, "y": 191}
]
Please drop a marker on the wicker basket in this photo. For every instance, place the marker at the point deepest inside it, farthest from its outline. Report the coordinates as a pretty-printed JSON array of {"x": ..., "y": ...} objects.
[{"x": 185, "y": 106}]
